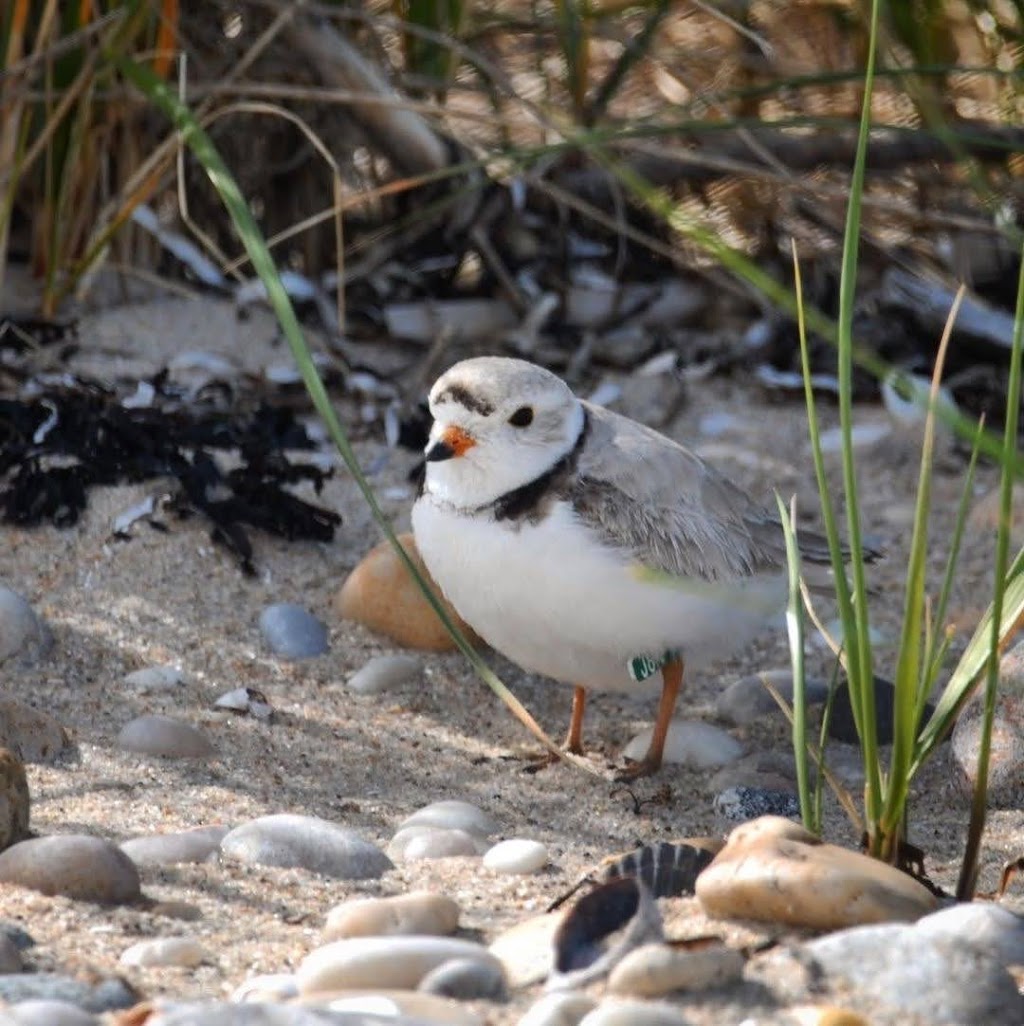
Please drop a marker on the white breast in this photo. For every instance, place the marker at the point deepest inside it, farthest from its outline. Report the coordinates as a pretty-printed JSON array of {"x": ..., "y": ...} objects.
[{"x": 556, "y": 601}]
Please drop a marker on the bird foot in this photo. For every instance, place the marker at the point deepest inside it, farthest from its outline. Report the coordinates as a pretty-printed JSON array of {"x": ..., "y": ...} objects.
[
  {"x": 646, "y": 767},
  {"x": 547, "y": 759}
]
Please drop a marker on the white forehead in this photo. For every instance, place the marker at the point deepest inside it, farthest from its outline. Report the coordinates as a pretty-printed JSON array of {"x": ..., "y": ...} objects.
[{"x": 492, "y": 381}]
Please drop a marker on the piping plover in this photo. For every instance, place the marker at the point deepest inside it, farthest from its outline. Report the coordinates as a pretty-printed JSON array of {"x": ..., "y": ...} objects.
[{"x": 585, "y": 546}]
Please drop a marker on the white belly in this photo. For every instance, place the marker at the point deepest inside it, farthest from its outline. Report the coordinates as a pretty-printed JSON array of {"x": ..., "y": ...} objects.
[{"x": 553, "y": 599}]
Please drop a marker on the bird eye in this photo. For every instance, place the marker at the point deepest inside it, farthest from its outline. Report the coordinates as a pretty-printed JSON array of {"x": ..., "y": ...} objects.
[{"x": 523, "y": 417}]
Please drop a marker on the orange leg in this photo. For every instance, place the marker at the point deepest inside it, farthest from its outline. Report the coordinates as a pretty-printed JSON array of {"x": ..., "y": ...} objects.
[
  {"x": 574, "y": 739},
  {"x": 672, "y": 682}
]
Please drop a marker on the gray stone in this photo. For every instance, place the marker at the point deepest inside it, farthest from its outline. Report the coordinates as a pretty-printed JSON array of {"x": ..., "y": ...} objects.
[
  {"x": 996, "y": 930},
  {"x": 292, "y": 632},
  {"x": 10, "y": 955},
  {"x": 172, "y": 849},
  {"x": 152, "y": 679},
  {"x": 1006, "y": 758},
  {"x": 453, "y": 814},
  {"x": 20, "y": 938},
  {"x": 306, "y": 842},
  {"x": 739, "y": 804},
  {"x": 24, "y": 635},
  {"x": 102, "y": 996},
  {"x": 748, "y": 701},
  {"x": 73, "y": 865},
  {"x": 166, "y": 737},
  {"x": 905, "y": 971},
  {"x": 467, "y": 979},
  {"x": 382, "y": 673},
  {"x": 34, "y": 736},
  {"x": 47, "y": 1013}
]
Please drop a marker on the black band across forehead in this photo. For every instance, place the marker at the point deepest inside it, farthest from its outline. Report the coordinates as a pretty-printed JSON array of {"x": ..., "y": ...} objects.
[{"x": 464, "y": 397}]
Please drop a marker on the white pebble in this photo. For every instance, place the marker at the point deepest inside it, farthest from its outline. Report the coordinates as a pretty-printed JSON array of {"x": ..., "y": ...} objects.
[
  {"x": 656, "y": 969},
  {"x": 417, "y": 913},
  {"x": 633, "y": 1013},
  {"x": 376, "y": 962},
  {"x": 155, "y": 678},
  {"x": 453, "y": 814},
  {"x": 166, "y": 951},
  {"x": 270, "y": 988},
  {"x": 383, "y": 673},
  {"x": 413, "y": 843},
  {"x": 693, "y": 744},
  {"x": 558, "y": 1010},
  {"x": 518, "y": 855}
]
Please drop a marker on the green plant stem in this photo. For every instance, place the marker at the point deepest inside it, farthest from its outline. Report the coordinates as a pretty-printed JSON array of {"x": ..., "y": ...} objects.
[{"x": 968, "y": 879}]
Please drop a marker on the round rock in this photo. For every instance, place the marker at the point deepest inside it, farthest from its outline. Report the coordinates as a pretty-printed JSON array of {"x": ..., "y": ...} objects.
[
  {"x": 24, "y": 635},
  {"x": 382, "y": 673},
  {"x": 657, "y": 969},
  {"x": 306, "y": 842},
  {"x": 453, "y": 814},
  {"x": 558, "y": 1010},
  {"x": 31, "y": 734},
  {"x": 47, "y": 1013},
  {"x": 73, "y": 865},
  {"x": 292, "y": 632},
  {"x": 992, "y": 928},
  {"x": 166, "y": 737},
  {"x": 415, "y": 843},
  {"x": 103, "y": 995},
  {"x": 517, "y": 855},
  {"x": 172, "y": 849},
  {"x": 381, "y": 595},
  {"x": 773, "y": 870},
  {"x": 748, "y": 701},
  {"x": 166, "y": 951},
  {"x": 1006, "y": 757},
  {"x": 154, "y": 679},
  {"x": 690, "y": 743},
  {"x": 14, "y": 799},
  {"x": 404, "y": 914},
  {"x": 467, "y": 979},
  {"x": 375, "y": 962}
]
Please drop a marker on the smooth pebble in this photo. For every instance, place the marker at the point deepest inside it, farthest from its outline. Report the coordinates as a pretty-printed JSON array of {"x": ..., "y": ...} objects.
[
  {"x": 633, "y": 1013},
  {"x": 382, "y": 673},
  {"x": 215, "y": 1014},
  {"x": 690, "y": 743},
  {"x": 153, "y": 679},
  {"x": 292, "y": 632},
  {"x": 74, "y": 865},
  {"x": 773, "y": 870},
  {"x": 266, "y": 987},
  {"x": 14, "y": 799},
  {"x": 516, "y": 855},
  {"x": 46, "y": 1013},
  {"x": 748, "y": 701},
  {"x": 373, "y": 962},
  {"x": 10, "y": 955},
  {"x": 527, "y": 950},
  {"x": 381, "y": 595},
  {"x": 558, "y": 1010},
  {"x": 453, "y": 814},
  {"x": 164, "y": 736},
  {"x": 907, "y": 971},
  {"x": 415, "y": 843},
  {"x": 34, "y": 736},
  {"x": 24, "y": 635},
  {"x": 657, "y": 969},
  {"x": 171, "y": 849},
  {"x": 403, "y": 1007},
  {"x": 245, "y": 702},
  {"x": 994, "y": 929},
  {"x": 102, "y": 995},
  {"x": 306, "y": 842},
  {"x": 1006, "y": 752},
  {"x": 420, "y": 912},
  {"x": 166, "y": 951},
  {"x": 467, "y": 979}
]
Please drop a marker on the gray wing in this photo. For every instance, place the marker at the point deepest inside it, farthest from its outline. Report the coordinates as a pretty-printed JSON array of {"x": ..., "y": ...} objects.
[{"x": 642, "y": 492}]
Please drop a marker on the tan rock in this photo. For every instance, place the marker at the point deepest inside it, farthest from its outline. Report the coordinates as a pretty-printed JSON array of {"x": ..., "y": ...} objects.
[
  {"x": 656, "y": 969},
  {"x": 774, "y": 870},
  {"x": 14, "y": 799},
  {"x": 418, "y": 912},
  {"x": 381, "y": 594}
]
